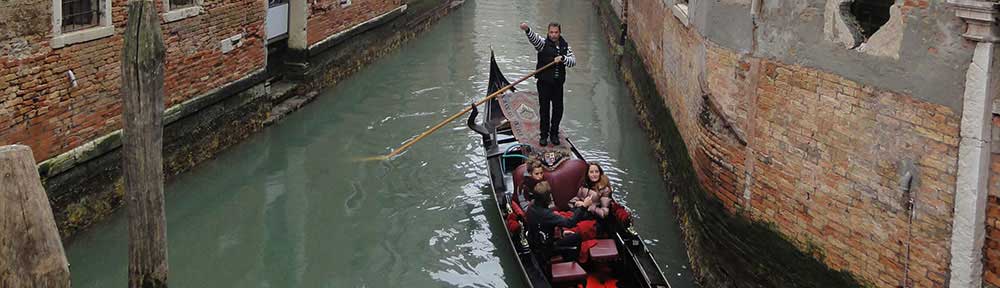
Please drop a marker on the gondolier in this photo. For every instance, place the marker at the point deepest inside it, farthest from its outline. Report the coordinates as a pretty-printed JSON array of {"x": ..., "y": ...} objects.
[{"x": 550, "y": 82}]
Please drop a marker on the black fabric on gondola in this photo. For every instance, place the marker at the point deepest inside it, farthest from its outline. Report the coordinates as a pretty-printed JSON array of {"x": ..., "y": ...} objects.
[{"x": 497, "y": 80}]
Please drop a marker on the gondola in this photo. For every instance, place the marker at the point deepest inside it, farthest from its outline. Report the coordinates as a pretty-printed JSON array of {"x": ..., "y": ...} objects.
[{"x": 620, "y": 253}]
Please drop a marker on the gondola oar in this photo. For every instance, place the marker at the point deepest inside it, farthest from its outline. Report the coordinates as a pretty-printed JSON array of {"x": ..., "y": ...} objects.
[{"x": 455, "y": 116}]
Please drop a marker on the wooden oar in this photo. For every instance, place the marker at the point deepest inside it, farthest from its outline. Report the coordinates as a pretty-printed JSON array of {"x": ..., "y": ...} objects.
[{"x": 453, "y": 117}]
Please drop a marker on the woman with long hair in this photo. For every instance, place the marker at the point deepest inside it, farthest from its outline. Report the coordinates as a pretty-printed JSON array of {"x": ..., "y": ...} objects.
[{"x": 595, "y": 195}]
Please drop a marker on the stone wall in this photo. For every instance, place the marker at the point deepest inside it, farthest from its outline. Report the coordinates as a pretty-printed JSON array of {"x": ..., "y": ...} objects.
[{"x": 808, "y": 139}]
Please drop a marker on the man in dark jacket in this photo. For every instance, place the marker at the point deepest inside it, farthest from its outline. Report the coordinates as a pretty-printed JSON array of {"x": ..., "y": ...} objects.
[
  {"x": 550, "y": 82},
  {"x": 542, "y": 223}
]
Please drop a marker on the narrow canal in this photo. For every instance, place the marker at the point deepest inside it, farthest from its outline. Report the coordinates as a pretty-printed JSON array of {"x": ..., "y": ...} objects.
[{"x": 289, "y": 207}]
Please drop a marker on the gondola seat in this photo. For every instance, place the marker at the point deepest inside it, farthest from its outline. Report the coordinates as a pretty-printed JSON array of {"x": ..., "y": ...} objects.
[
  {"x": 565, "y": 180},
  {"x": 604, "y": 251},
  {"x": 567, "y": 271}
]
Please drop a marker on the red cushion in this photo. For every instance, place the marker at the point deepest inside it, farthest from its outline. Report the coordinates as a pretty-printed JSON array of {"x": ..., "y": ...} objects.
[
  {"x": 621, "y": 215},
  {"x": 516, "y": 210},
  {"x": 567, "y": 271},
  {"x": 565, "y": 180},
  {"x": 512, "y": 224},
  {"x": 606, "y": 244}
]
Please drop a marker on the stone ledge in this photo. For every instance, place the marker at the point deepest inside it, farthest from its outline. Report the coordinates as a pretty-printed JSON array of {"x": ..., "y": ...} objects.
[
  {"x": 182, "y": 13},
  {"x": 107, "y": 143},
  {"x": 980, "y": 17},
  {"x": 81, "y": 36},
  {"x": 211, "y": 97},
  {"x": 92, "y": 190},
  {"x": 288, "y": 106},
  {"x": 680, "y": 11}
]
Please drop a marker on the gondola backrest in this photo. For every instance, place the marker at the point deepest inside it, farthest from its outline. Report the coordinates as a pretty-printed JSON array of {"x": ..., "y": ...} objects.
[{"x": 565, "y": 180}]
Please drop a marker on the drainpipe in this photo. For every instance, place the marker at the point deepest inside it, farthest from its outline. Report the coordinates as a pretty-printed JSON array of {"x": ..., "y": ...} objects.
[
  {"x": 968, "y": 228},
  {"x": 905, "y": 186}
]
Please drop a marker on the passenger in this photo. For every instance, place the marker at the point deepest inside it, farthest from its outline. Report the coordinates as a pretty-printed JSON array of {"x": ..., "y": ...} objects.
[
  {"x": 536, "y": 175},
  {"x": 542, "y": 222},
  {"x": 595, "y": 194}
]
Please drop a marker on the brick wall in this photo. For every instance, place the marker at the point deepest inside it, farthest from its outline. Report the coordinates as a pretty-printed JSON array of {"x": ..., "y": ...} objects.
[
  {"x": 195, "y": 62},
  {"x": 327, "y": 18},
  {"x": 832, "y": 154},
  {"x": 38, "y": 106},
  {"x": 821, "y": 157},
  {"x": 991, "y": 269}
]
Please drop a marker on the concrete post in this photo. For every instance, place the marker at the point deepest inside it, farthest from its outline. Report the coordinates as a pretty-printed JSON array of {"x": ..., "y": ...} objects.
[
  {"x": 968, "y": 228},
  {"x": 298, "y": 19}
]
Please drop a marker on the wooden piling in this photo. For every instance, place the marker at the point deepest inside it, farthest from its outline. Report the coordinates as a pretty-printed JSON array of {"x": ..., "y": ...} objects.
[
  {"x": 31, "y": 252},
  {"x": 142, "y": 151}
]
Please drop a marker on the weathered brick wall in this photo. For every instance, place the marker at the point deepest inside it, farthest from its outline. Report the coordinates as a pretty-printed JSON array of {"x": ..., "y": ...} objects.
[
  {"x": 991, "y": 269},
  {"x": 327, "y": 18},
  {"x": 195, "y": 62},
  {"x": 39, "y": 107},
  {"x": 820, "y": 156},
  {"x": 831, "y": 156}
]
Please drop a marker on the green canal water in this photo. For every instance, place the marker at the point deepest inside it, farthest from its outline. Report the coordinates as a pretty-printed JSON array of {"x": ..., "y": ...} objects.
[{"x": 289, "y": 207}]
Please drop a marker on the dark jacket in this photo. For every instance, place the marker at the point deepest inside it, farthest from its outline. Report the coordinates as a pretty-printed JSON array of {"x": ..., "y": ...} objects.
[
  {"x": 542, "y": 221},
  {"x": 547, "y": 52}
]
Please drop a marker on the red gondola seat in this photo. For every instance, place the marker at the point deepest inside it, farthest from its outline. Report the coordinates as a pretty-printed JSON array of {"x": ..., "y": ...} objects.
[
  {"x": 604, "y": 251},
  {"x": 567, "y": 271},
  {"x": 565, "y": 180}
]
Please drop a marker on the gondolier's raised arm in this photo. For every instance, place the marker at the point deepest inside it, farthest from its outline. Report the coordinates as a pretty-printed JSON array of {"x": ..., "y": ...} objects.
[{"x": 536, "y": 39}]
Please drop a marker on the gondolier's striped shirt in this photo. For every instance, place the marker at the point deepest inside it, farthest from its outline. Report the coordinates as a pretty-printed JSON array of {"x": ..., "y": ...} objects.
[{"x": 539, "y": 42}]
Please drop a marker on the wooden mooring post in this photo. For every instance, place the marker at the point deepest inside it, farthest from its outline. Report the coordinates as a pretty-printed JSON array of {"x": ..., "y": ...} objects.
[
  {"x": 142, "y": 151},
  {"x": 31, "y": 252}
]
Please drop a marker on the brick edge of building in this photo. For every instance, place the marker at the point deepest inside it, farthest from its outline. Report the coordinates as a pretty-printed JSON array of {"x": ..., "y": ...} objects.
[{"x": 725, "y": 250}]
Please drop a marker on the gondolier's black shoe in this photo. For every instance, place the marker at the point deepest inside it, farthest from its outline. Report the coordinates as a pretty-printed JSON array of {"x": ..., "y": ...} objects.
[
  {"x": 555, "y": 139},
  {"x": 544, "y": 141}
]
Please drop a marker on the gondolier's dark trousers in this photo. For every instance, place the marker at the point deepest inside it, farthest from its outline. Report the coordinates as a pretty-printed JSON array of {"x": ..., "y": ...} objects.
[{"x": 550, "y": 96}]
